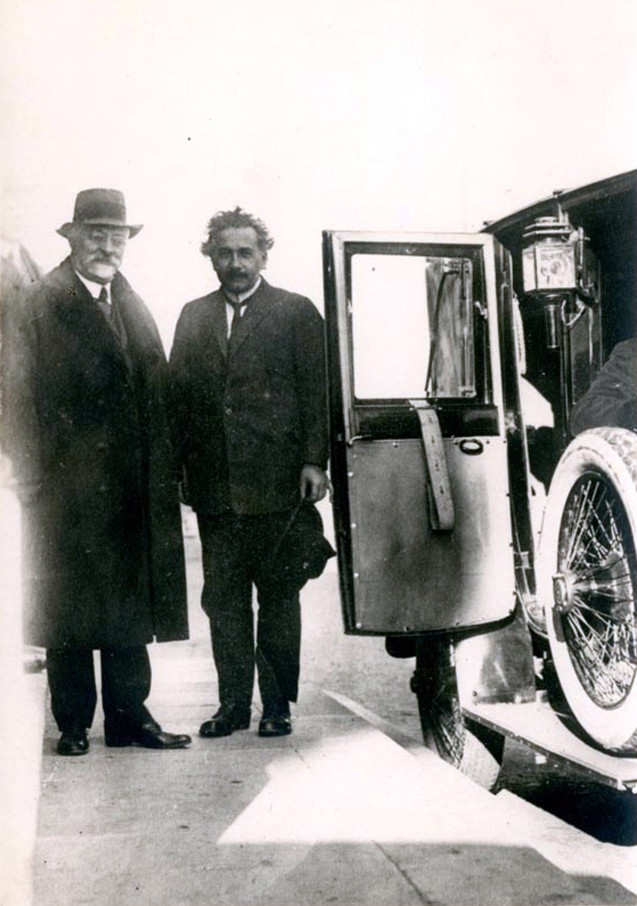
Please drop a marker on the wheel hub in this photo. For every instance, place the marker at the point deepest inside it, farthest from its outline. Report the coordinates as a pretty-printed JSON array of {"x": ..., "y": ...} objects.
[{"x": 563, "y": 592}]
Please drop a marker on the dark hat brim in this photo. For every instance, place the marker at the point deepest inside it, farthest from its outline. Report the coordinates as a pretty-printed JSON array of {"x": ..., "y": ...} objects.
[{"x": 133, "y": 228}]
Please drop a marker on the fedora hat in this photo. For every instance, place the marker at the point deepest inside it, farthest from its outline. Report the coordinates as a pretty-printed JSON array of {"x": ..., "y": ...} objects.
[
  {"x": 100, "y": 207},
  {"x": 302, "y": 551}
]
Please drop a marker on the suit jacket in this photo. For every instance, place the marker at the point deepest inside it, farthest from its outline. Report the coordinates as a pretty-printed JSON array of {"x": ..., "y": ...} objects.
[
  {"x": 86, "y": 426},
  {"x": 249, "y": 413}
]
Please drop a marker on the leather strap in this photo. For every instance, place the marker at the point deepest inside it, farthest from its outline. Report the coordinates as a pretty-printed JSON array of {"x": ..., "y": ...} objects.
[{"x": 441, "y": 510}]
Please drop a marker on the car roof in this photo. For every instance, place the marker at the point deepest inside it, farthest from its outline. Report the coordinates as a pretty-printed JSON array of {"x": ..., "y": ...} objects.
[{"x": 615, "y": 196}]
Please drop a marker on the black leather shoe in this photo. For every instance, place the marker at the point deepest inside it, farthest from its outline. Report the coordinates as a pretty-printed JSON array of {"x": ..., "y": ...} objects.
[
  {"x": 275, "y": 726},
  {"x": 72, "y": 742},
  {"x": 149, "y": 735},
  {"x": 225, "y": 722}
]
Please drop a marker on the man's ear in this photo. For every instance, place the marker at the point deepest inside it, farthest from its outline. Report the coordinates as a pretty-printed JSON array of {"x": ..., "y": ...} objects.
[{"x": 71, "y": 235}]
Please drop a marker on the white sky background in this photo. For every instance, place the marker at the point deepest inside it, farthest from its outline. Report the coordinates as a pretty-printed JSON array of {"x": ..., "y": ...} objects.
[{"x": 351, "y": 114}]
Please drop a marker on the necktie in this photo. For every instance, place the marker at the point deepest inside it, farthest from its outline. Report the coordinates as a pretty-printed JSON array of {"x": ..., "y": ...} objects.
[
  {"x": 111, "y": 316},
  {"x": 103, "y": 304},
  {"x": 236, "y": 306}
]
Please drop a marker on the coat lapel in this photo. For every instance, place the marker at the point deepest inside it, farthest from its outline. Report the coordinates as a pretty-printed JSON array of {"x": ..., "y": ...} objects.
[
  {"x": 141, "y": 331},
  {"x": 256, "y": 310},
  {"x": 219, "y": 320},
  {"x": 74, "y": 305}
]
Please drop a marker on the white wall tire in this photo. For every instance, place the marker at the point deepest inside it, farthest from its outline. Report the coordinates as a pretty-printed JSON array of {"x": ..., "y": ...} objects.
[{"x": 587, "y": 582}]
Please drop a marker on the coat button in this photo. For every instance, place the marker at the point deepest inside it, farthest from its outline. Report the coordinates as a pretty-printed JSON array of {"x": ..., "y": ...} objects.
[
  {"x": 101, "y": 445},
  {"x": 102, "y": 489},
  {"x": 228, "y": 411}
]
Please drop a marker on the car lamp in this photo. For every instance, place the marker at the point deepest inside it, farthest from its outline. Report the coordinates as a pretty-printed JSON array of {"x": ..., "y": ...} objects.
[
  {"x": 549, "y": 256},
  {"x": 558, "y": 269}
]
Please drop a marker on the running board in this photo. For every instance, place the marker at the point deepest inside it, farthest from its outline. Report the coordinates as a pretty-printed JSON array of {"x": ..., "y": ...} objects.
[{"x": 537, "y": 725}]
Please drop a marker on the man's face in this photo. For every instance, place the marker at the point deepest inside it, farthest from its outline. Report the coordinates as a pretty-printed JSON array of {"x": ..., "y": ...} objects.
[
  {"x": 97, "y": 251},
  {"x": 237, "y": 259}
]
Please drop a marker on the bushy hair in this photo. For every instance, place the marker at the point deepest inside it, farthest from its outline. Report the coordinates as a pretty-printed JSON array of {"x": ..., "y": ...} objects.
[{"x": 237, "y": 218}]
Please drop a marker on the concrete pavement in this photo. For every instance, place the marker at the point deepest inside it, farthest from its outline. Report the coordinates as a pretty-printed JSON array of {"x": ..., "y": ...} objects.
[
  {"x": 336, "y": 813},
  {"x": 339, "y": 812},
  {"x": 21, "y": 720}
]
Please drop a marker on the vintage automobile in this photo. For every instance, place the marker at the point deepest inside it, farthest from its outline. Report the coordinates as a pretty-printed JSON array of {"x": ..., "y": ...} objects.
[{"x": 473, "y": 530}]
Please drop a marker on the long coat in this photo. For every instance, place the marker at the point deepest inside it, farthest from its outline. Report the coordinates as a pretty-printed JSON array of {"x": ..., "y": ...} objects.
[
  {"x": 249, "y": 412},
  {"x": 85, "y": 424}
]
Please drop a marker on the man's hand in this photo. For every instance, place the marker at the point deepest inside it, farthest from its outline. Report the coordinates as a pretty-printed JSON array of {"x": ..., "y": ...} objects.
[{"x": 314, "y": 483}]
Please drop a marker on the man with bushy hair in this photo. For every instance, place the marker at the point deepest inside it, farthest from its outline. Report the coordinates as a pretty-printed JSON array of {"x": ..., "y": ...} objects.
[
  {"x": 250, "y": 419},
  {"x": 236, "y": 219}
]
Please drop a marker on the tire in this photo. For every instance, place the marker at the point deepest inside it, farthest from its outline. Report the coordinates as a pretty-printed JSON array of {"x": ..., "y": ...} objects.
[
  {"x": 472, "y": 748},
  {"x": 587, "y": 581}
]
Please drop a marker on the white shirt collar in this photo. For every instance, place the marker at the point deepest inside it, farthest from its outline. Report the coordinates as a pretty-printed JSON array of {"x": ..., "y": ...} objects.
[
  {"x": 243, "y": 297},
  {"x": 95, "y": 288}
]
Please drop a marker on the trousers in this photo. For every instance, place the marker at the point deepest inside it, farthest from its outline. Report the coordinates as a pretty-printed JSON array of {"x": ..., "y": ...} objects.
[
  {"x": 236, "y": 552},
  {"x": 126, "y": 678}
]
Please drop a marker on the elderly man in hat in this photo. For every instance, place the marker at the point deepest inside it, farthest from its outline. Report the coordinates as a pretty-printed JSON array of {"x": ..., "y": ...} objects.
[{"x": 86, "y": 429}]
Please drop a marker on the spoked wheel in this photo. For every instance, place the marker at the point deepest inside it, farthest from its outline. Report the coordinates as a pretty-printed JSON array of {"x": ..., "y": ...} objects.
[
  {"x": 588, "y": 583},
  {"x": 472, "y": 748}
]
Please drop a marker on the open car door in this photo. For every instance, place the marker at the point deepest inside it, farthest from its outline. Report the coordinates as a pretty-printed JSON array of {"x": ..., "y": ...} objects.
[{"x": 418, "y": 427}]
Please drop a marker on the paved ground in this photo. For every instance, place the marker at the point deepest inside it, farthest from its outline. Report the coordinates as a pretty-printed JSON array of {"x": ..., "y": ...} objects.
[
  {"x": 337, "y": 813},
  {"x": 340, "y": 812},
  {"x": 21, "y": 721}
]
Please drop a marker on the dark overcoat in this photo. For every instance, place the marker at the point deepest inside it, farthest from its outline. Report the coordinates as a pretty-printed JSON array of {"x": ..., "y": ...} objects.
[
  {"x": 611, "y": 400},
  {"x": 249, "y": 413},
  {"x": 85, "y": 424}
]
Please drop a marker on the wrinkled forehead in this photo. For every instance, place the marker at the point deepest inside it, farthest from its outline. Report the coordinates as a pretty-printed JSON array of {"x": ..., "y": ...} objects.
[{"x": 237, "y": 238}]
